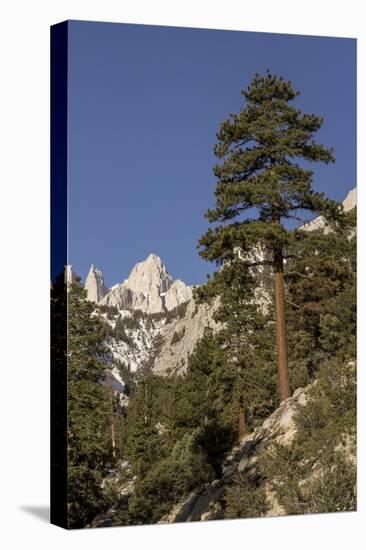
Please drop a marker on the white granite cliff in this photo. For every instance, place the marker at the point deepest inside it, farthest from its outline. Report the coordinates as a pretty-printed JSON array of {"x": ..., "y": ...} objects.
[{"x": 94, "y": 285}]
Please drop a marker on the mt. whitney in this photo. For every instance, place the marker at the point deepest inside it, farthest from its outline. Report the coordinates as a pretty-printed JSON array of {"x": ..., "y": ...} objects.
[{"x": 149, "y": 288}]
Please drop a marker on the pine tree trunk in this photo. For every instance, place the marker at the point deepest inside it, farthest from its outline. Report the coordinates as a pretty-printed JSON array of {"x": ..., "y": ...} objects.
[
  {"x": 113, "y": 434},
  {"x": 281, "y": 337},
  {"x": 242, "y": 427}
]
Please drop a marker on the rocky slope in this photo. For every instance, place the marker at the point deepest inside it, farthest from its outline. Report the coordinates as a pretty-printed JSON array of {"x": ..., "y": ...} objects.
[
  {"x": 137, "y": 347},
  {"x": 243, "y": 465},
  {"x": 162, "y": 344},
  {"x": 204, "y": 504},
  {"x": 179, "y": 338},
  {"x": 319, "y": 464}
]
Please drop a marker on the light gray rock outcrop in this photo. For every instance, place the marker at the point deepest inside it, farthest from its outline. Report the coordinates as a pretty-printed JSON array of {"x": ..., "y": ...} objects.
[
  {"x": 94, "y": 285},
  {"x": 177, "y": 294},
  {"x": 348, "y": 204},
  {"x": 350, "y": 201},
  {"x": 70, "y": 277},
  {"x": 173, "y": 357},
  {"x": 122, "y": 297}
]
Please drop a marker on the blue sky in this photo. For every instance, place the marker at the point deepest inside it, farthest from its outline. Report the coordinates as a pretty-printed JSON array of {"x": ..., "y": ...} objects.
[{"x": 145, "y": 103}]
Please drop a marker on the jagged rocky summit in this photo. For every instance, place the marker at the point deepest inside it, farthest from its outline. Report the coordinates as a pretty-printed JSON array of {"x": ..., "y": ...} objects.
[
  {"x": 149, "y": 288},
  {"x": 163, "y": 343},
  {"x": 94, "y": 285}
]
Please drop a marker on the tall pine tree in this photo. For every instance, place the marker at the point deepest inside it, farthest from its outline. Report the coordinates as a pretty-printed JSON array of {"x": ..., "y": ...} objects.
[
  {"x": 89, "y": 433},
  {"x": 261, "y": 185}
]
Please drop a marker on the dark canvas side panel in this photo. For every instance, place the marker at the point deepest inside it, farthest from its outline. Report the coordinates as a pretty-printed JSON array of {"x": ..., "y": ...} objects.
[{"x": 59, "y": 61}]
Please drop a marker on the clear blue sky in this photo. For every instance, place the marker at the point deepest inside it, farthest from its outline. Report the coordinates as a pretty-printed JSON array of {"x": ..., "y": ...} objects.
[{"x": 145, "y": 103}]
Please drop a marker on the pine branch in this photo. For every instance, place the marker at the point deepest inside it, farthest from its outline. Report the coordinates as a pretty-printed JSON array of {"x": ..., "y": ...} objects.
[
  {"x": 242, "y": 143},
  {"x": 292, "y": 304},
  {"x": 290, "y": 273}
]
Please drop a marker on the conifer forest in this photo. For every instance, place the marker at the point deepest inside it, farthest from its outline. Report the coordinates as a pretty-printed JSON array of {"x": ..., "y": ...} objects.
[{"x": 235, "y": 398}]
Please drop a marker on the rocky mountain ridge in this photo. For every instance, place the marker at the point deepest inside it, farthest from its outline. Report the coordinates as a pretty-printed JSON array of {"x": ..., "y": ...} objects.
[
  {"x": 149, "y": 288},
  {"x": 162, "y": 335}
]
